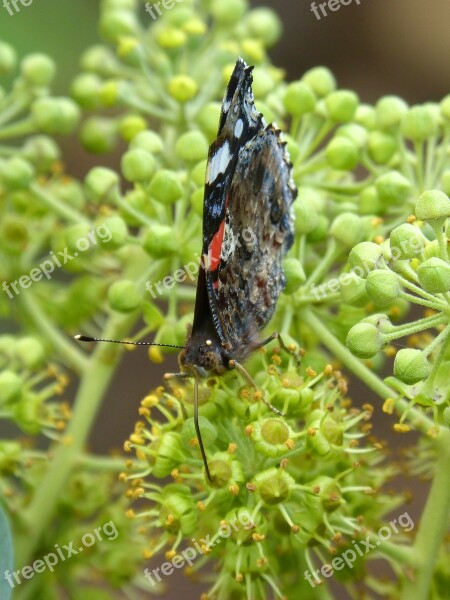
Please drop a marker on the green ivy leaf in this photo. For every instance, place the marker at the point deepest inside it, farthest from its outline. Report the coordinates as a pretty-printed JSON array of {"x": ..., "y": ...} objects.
[{"x": 6, "y": 555}]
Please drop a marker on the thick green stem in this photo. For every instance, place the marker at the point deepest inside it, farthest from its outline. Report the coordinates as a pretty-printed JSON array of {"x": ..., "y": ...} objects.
[{"x": 433, "y": 525}]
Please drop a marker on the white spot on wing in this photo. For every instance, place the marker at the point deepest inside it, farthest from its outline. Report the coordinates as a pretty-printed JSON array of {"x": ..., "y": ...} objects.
[
  {"x": 218, "y": 163},
  {"x": 238, "y": 128}
]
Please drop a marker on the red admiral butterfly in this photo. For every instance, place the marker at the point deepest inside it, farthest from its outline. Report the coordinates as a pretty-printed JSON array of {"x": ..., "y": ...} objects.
[{"x": 247, "y": 230}]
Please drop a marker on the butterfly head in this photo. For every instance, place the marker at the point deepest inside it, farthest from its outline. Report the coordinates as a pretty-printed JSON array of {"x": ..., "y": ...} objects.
[{"x": 203, "y": 357}]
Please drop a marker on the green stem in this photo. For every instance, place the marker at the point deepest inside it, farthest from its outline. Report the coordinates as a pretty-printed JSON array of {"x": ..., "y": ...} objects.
[
  {"x": 60, "y": 209},
  {"x": 433, "y": 525}
]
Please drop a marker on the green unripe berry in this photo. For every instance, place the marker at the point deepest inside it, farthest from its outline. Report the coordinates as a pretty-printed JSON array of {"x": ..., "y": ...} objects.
[
  {"x": 191, "y": 146},
  {"x": 406, "y": 241},
  {"x": 55, "y": 115},
  {"x": 390, "y": 110},
  {"x": 196, "y": 201},
  {"x": 274, "y": 486},
  {"x": 355, "y": 133},
  {"x": 85, "y": 89},
  {"x": 8, "y": 59},
  {"x": 347, "y": 229},
  {"x": 116, "y": 23},
  {"x": 263, "y": 82},
  {"x": 99, "y": 135},
  {"x": 364, "y": 257},
  {"x": 341, "y": 105},
  {"x": 321, "y": 80},
  {"x": 183, "y": 88},
  {"x": 342, "y": 154},
  {"x": 109, "y": 93},
  {"x": 445, "y": 182},
  {"x": 171, "y": 38},
  {"x": 160, "y": 241},
  {"x": 74, "y": 233},
  {"x": 366, "y": 116},
  {"x": 137, "y": 165},
  {"x": 10, "y": 386},
  {"x": 364, "y": 340},
  {"x": 147, "y": 140},
  {"x": 381, "y": 147},
  {"x": 208, "y": 118},
  {"x": 419, "y": 124},
  {"x": 16, "y": 173},
  {"x": 130, "y": 126},
  {"x": 369, "y": 202},
  {"x": 101, "y": 184},
  {"x": 434, "y": 276},
  {"x": 432, "y": 204},
  {"x": 393, "y": 188},
  {"x": 295, "y": 276},
  {"x": 198, "y": 173},
  {"x": 99, "y": 59},
  {"x": 165, "y": 187},
  {"x": 228, "y": 13},
  {"x": 320, "y": 232},
  {"x": 38, "y": 69},
  {"x": 118, "y": 231},
  {"x": 265, "y": 25},
  {"x": 299, "y": 99},
  {"x": 444, "y": 107},
  {"x": 383, "y": 287},
  {"x": 123, "y": 296},
  {"x": 41, "y": 151},
  {"x": 30, "y": 352},
  {"x": 411, "y": 366}
]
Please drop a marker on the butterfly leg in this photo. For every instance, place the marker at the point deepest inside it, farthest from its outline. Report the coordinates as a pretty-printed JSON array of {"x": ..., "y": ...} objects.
[
  {"x": 169, "y": 376},
  {"x": 277, "y": 336},
  {"x": 246, "y": 375}
]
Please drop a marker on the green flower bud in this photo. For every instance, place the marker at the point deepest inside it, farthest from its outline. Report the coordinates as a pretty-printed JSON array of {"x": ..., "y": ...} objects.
[
  {"x": 101, "y": 184},
  {"x": 253, "y": 51},
  {"x": 55, "y": 115},
  {"x": 406, "y": 241},
  {"x": 130, "y": 126},
  {"x": 8, "y": 59},
  {"x": 292, "y": 147},
  {"x": 353, "y": 289},
  {"x": 366, "y": 116},
  {"x": 299, "y": 99},
  {"x": 171, "y": 38},
  {"x": 446, "y": 416},
  {"x": 99, "y": 59},
  {"x": 419, "y": 124},
  {"x": 390, "y": 110},
  {"x": 383, "y": 286},
  {"x": 147, "y": 140},
  {"x": 10, "y": 454},
  {"x": 195, "y": 28},
  {"x": 165, "y": 187},
  {"x": 99, "y": 135},
  {"x": 434, "y": 276},
  {"x": 74, "y": 233},
  {"x": 196, "y": 201},
  {"x": 178, "y": 15},
  {"x": 330, "y": 493},
  {"x": 27, "y": 413},
  {"x": 364, "y": 257},
  {"x": 123, "y": 296},
  {"x": 118, "y": 230},
  {"x": 137, "y": 165},
  {"x": 208, "y": 118},
  {"x": 38, "y": 69},
  {"x": 380, "y": 321},
  {"x": 85, "y": 89},
  {"x": 16, "y": 173},
  {"x": 167, "y": 334},
  {"x": 41, "y": 151},
  {"x": 321, "y": 80},
  {"x": 381, "y": 147},
  {"x": 228, "y": 13},
  {"x": 445, "y": 182},
  {"x": 444, "y": 106},
  {"x": 342, "y": 154},
  {"x": 355, "y": 133},
  {"x": 198, "y": 172},
  {"x": 265, "y": 25},
  {"x": 14, "y": 233},
  {"x": 341, "y": 105},
  {"x": 411, "y": 366},
  {"x": 160, "y": 241},
  {"x": 295, "y": 276},
  {"x": 393, "y": 188},
  {"x": 369, "y": 202},
  {"x": 117, "y": 23},
  {"x": 182, "y": 88},
  {"x": 30, "y": 352},
  {"x": 347, "y": 229},
  {"x": 274, "y": 486},
  {"x": 191, "y": 146},
  {"x": 320, "y": 232},
  {"x": 109, "y": 93},
  {"x": 364, "y": 340},
  {"x": 263, "y": 82},
  {"x": 10, "y": 386},
  {"x": 271, "y": 436},
  {"x": 432, "y": 204}
]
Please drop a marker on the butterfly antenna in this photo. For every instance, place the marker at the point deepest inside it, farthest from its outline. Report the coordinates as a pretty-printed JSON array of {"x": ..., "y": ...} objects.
[
  {"x": 197, "y": 430},
  {"x": 85, "y": 338}
]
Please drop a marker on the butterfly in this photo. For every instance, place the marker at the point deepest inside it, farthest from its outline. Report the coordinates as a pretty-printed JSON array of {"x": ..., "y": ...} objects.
[{"x": 247, "y": 230}]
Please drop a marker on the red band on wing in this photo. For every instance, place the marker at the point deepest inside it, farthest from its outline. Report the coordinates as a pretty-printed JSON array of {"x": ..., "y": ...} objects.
[{"x": 215, "y": 247}]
